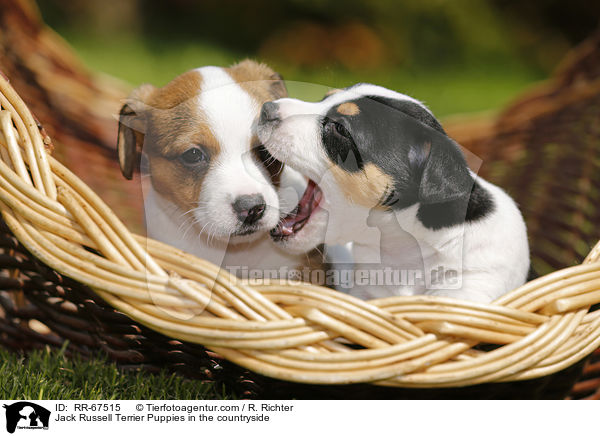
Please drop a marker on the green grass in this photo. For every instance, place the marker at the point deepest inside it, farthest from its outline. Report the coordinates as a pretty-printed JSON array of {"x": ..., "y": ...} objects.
[
  {"x": 448, "y": 90},
  {"x": 46, "y": 375}
]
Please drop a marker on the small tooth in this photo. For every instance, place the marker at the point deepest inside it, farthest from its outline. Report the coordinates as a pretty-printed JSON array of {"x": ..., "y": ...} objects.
[{"x": 287, "y": 231}]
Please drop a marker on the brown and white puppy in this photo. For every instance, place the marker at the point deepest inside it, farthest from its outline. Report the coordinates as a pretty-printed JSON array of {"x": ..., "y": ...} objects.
[{"x": 212, "y": 189}]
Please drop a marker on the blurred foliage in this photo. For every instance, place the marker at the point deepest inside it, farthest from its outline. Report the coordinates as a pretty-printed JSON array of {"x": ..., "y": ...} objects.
[
  {"x": 410, "y": 31},
  {"x": 485, "y": 51}
]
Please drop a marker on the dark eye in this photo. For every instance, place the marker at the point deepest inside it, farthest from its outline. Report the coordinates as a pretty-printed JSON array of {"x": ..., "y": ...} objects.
[
  {"x": 337, "y": 128},
  {"x": 193, "y": 156},
  {"x": 341, "y": 130}
]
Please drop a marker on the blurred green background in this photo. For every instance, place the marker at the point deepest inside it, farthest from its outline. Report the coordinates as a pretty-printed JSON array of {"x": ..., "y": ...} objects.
[{"x": 458, "y": 56}]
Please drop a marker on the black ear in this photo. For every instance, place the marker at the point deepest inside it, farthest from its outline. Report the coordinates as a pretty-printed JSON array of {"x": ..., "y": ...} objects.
[
  {"x": 445, "y": 175},
  {"x": 129, "y": 140},
  {"x": 277, "y": 88}
]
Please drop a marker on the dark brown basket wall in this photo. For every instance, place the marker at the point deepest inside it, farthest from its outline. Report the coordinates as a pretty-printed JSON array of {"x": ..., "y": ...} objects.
[{"x": 544, "y": 150}]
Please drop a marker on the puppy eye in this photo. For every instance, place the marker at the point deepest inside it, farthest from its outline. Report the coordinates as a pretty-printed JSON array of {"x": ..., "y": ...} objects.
[
  {"x": 341, "y": 130},
  {"x": 193, "y": 156},
  {"x": 336, "y": 128}
]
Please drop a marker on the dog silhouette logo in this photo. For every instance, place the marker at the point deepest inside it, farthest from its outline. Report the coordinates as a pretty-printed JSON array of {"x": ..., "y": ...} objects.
[{"x": 26, "y": 415}]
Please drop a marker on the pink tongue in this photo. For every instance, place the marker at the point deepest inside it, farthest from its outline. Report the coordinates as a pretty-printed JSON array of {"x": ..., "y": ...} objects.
[{"x": 297, "y": 218}]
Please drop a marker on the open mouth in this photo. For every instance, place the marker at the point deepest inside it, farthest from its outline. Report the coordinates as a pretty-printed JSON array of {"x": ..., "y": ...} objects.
[{"x": 297, "y": 219}]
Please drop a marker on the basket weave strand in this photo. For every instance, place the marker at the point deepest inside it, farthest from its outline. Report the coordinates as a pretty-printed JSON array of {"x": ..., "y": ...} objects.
[{"x": 291, "y": 331}]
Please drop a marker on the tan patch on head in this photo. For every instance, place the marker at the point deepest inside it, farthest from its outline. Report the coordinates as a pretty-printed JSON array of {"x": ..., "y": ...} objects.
[
  {"x": 174, "y": 132},
  {"x": 348, "y": 108},
  {"x": 258, "y": 80},
  {"x": 364, "y": 187},
  {"x": 176, "y": 183},
  {"x": 158, "y": 114},
  {"x": 173, "y": 137},
  {"x": 179, "y": 90},
  {"x": 174, "y": 122},
  {"x": 173, "y": 125},
  {"x": 331, "y": 92}
]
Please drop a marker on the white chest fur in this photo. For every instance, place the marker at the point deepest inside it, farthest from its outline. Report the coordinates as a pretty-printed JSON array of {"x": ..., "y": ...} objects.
[{"x": 477, "y": 261}]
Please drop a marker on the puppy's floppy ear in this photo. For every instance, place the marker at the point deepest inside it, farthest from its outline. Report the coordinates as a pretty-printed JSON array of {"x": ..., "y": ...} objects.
[
  {"x": 248, "y": 71},
  {"x": 439, "y": 167},
  {"x": 445, "y": 176},
  {"x": 132, "y": 127},
  {"x": 278, "y": 88}
]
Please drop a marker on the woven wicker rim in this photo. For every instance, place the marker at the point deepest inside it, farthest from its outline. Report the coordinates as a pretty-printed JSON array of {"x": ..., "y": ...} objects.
[{"x": 290, "y": 331}]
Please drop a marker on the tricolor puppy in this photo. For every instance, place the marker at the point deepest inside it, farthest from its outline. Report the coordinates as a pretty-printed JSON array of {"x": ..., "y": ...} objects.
[
  {"x": 213, "y": 189},
  {"x": 386, "y": 177}
]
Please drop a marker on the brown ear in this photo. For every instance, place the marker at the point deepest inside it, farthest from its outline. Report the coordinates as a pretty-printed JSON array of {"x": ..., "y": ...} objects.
[
  {"x": 132, "y": 127},
  {"x": 129, "y": 142},
  {"x": 258, "y": 78},
  {"x": 278, "y": 88}
]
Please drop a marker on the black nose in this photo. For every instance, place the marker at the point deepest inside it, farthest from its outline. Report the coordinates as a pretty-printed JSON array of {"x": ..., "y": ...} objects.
[
  {"x": 269, "y": 112},
  {"x": 249, "y": 208}
]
